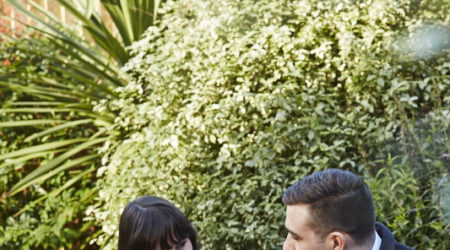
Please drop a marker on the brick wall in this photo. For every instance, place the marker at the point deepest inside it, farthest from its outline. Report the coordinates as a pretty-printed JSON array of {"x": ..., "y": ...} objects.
[{"x": 7, "y": 11}]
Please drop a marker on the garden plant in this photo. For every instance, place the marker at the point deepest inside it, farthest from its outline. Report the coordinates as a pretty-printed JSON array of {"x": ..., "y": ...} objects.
[
  {"x": 54, "y": 75},
  {"x": 230, "y": 102},
  {"x": 221, "y": 105}
]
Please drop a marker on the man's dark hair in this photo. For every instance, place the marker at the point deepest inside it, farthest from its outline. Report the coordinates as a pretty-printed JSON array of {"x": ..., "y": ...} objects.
[
  {"x": 338, "y": 201},
  {"x": 150, "y": 221}
]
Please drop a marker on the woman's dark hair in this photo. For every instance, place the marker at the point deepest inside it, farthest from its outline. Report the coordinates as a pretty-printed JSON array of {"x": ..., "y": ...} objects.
[{"x": 149, "y": 221}]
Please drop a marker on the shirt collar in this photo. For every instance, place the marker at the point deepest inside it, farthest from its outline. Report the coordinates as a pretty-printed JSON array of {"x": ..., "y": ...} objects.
[{"x": 377, "y": 243}]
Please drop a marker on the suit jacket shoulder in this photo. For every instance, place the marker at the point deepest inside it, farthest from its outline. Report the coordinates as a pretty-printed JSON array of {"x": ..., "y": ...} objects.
[{"x": 388, "y": 241}]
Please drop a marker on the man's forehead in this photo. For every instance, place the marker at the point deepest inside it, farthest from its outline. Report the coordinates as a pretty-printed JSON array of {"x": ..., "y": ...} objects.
[
  {"x": 297, "y": 214},
  {"x": 298, "y": 209},
  {"x": 298, "y": 221}
]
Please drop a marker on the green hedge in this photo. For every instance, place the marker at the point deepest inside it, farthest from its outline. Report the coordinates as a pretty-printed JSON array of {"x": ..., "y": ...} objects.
[
  {"x": 28, "y": 220},
  {"x": 233, "y": 101}
]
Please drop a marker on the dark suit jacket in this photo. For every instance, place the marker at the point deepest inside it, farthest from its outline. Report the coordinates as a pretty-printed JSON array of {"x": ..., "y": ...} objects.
[{"x": 387, "y": 239}]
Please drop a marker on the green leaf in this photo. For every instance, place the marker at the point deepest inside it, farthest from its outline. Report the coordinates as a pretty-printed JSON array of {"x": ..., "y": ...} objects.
[
  {"x": 55, "y": 192},
  {"x": 26, "y": 158},
  {"x": 57, "y": 128},
  {"x": 42, "y": 170},
  {"x": 41, "y": 147},
  {"x": 80, "y": 161},
  {"x": 29, "y": 123}
]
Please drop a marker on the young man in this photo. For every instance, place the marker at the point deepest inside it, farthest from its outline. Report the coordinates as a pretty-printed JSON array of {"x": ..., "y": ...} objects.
[{"x": 334, "y": 209}]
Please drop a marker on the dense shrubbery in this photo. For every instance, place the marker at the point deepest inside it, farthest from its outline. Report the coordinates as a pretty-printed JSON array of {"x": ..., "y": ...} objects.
[
  {"x": 28, "y": 220},
  {"x": 233, "y": 101},
  {"x": 49, "y": 134}
]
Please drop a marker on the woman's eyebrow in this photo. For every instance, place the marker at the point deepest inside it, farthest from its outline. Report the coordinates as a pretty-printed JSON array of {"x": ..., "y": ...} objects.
[{"x": 180, "y": 241}]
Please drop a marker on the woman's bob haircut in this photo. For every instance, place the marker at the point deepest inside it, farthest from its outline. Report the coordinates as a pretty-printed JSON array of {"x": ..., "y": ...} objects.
[{"x": 149, "y": 222}]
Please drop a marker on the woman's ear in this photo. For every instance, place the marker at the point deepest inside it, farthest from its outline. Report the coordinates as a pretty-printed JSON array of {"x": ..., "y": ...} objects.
[{"x": 335, "y": 241}]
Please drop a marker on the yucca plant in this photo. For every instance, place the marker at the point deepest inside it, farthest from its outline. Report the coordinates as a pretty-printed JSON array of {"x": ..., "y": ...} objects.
[{"x": 79, "y": 68}]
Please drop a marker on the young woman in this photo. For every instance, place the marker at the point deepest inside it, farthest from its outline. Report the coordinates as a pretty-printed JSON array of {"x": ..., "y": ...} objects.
[{"x": 152, "y": 223}]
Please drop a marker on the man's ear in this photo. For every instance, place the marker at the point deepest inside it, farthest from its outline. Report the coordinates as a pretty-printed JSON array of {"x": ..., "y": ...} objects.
[{"x": 335, "y": 241}]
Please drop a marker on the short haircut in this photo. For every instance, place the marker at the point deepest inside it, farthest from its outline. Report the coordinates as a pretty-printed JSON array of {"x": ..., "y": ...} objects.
[
  {"x": 149, "y": 221},
  {"x": 338, "y": 201}
]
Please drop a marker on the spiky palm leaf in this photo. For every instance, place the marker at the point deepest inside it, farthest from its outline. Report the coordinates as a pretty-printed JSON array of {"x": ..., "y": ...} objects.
[{"x": 83, "y": 72}]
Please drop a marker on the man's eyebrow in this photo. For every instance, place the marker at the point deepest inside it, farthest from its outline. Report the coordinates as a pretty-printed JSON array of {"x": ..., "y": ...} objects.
[{"x": 291, "y": 232}]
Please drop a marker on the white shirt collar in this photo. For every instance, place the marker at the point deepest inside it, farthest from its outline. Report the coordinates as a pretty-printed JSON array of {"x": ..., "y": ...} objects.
[{"x": 377, "y": 244}]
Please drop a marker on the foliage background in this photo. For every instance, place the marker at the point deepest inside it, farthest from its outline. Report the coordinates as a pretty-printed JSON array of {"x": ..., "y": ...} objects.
[
  {"x": 231, "y": 102},
  {"x": 53, "y": 74},
  {"x": 47, "y": 223},
  {"x": 223, "y": 105}
]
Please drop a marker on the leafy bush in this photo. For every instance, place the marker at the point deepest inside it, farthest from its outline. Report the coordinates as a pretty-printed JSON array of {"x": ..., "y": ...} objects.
[
  {"x": 410, "y": 188},
  {"x": 28, "y": 219},
  {"x": 233, "y": 101},
  {"x": 49, "y": 135}
]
